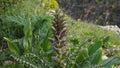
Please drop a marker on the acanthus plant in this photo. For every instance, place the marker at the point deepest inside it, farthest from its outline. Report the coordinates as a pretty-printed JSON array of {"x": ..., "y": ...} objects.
[{"x": 58, "y": 42}]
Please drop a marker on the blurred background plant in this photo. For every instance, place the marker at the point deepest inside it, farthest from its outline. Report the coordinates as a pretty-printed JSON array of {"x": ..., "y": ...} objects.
[{"x": 103, "y": 12}]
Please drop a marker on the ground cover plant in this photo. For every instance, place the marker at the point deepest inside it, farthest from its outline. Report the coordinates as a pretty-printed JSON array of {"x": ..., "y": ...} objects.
[{"x": 44, "y": 37}]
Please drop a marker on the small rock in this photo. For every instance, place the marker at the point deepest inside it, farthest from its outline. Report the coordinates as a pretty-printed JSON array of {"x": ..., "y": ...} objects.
[
  {"x": 104, "y": 57},
  {"x": 113, "y": 28}
]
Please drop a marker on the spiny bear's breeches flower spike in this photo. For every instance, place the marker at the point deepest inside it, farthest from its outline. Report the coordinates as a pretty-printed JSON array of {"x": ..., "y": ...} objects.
[{"x": 58, "y": 42}]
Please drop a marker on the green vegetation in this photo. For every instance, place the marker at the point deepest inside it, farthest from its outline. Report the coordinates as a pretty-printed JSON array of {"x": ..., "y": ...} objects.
[
  {"x": 79, "y": 30},
  {"x": 37, "y": 34}
]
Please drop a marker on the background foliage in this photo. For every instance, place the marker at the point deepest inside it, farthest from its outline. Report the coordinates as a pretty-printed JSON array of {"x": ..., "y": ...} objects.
[{"x": 101, "y": 12}]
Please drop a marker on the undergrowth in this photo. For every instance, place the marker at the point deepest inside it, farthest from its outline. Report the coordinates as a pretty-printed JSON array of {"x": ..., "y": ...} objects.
[{"x": 82, "y": 29}]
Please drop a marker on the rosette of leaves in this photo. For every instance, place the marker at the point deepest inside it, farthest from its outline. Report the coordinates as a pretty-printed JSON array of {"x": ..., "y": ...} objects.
[{"x": 58, "y": 42}]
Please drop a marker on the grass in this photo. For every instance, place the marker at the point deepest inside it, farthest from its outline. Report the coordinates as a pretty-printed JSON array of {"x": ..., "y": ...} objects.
[{"x": 80, "y": 30}]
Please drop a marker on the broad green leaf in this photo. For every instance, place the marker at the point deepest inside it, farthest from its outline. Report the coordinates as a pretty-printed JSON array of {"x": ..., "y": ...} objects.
[
  {"x": 27, "y": 43},
  {"x": 45, "y": 41},
  {"x": 94, "y": 47},
  {"x": 13, "y": 48},
  {"x": 83, "y": 54},
  {"x": 97, "y": 57},
  {"x": 26, "y": 46},
  {"x": 109, "y": 62}
]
